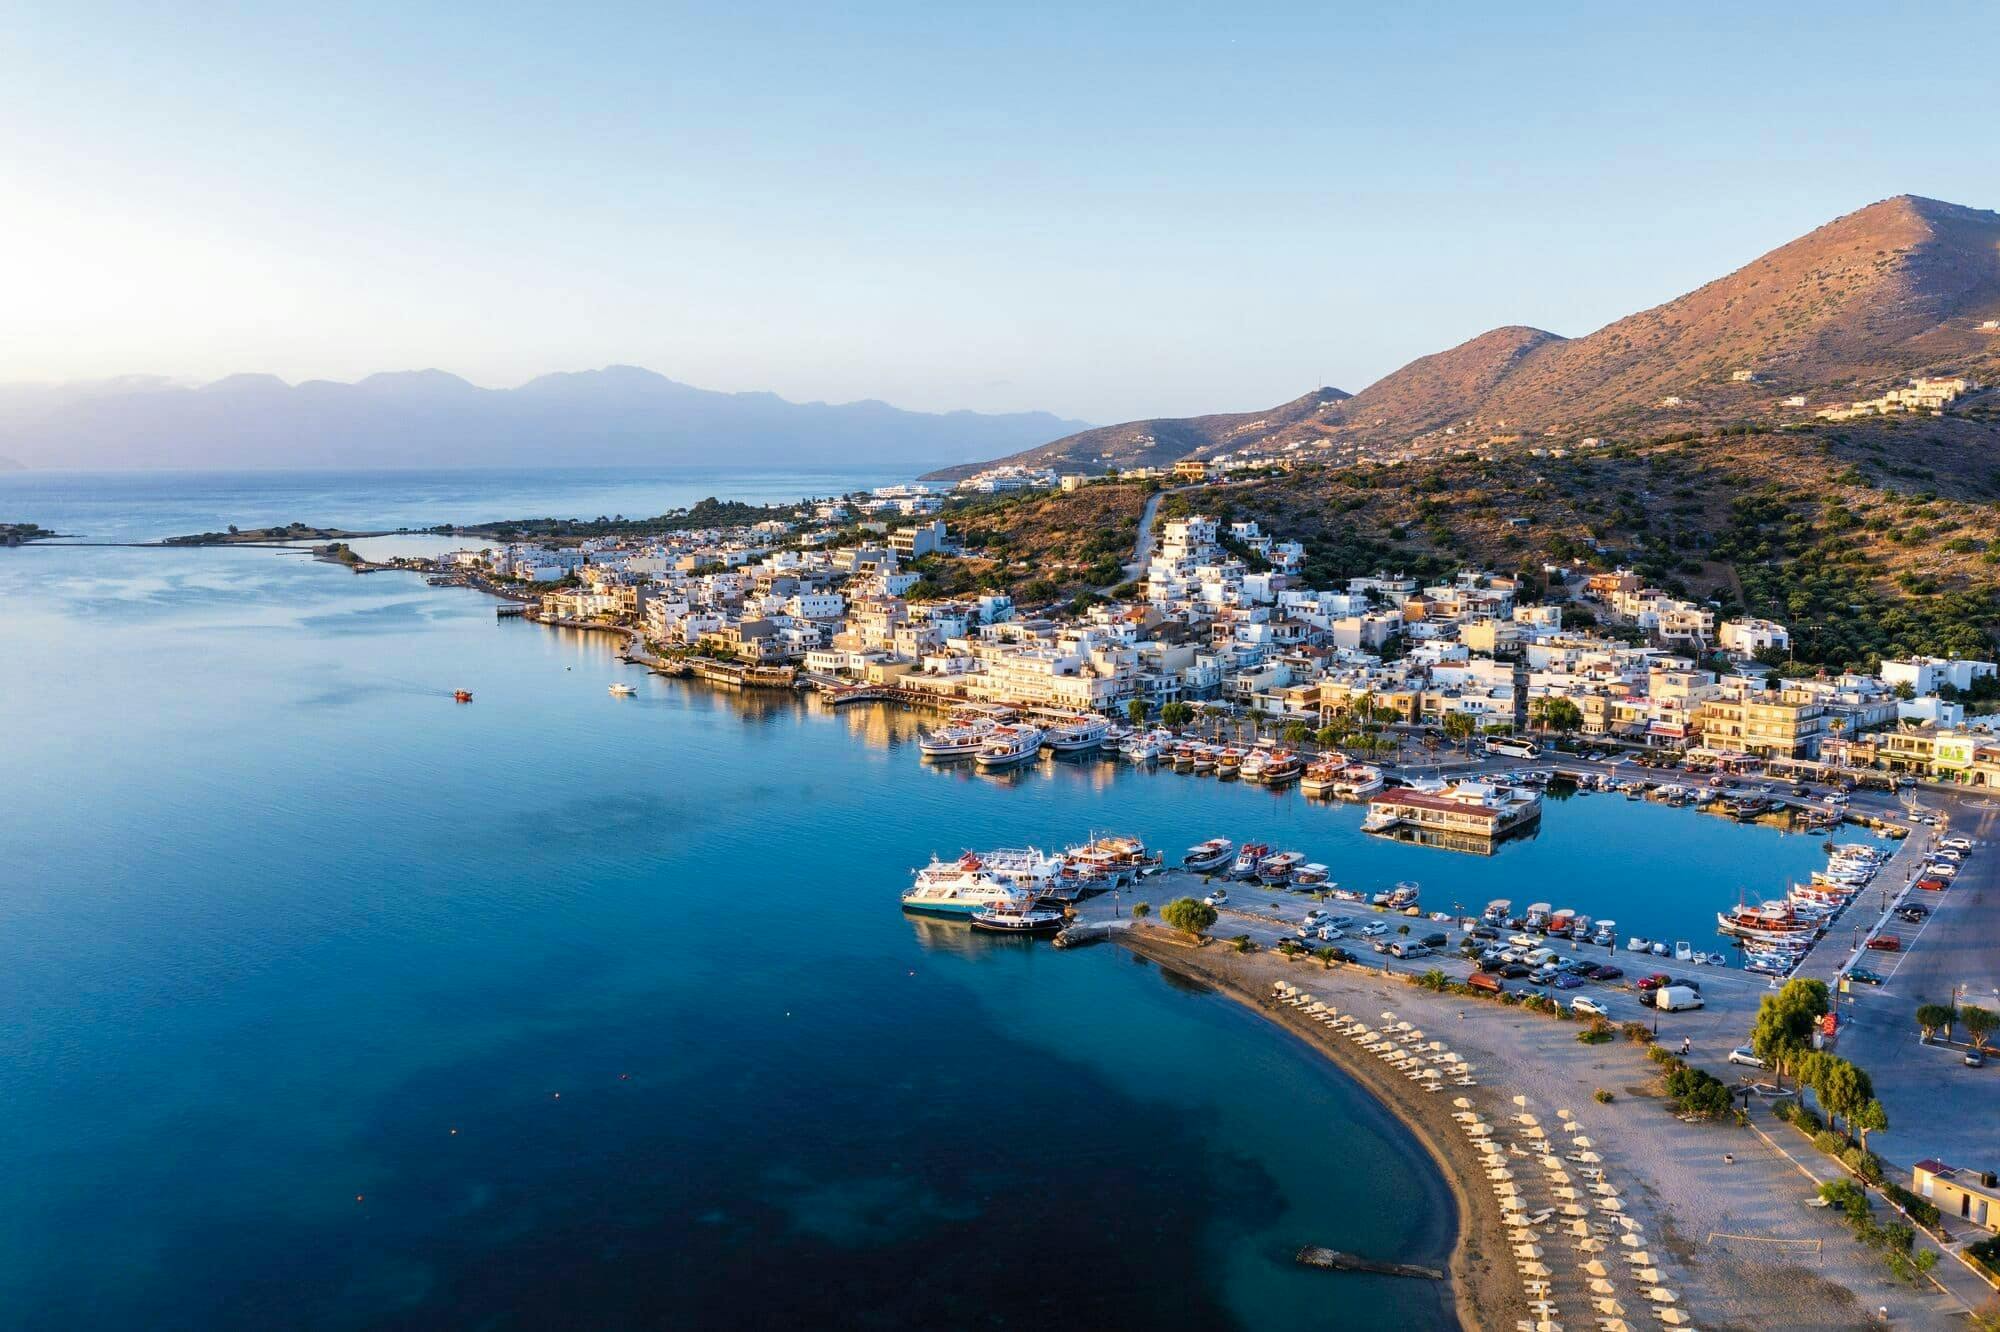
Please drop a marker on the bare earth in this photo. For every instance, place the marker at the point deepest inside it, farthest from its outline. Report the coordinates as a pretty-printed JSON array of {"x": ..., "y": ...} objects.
[{"x": 1733, "y": 1240}]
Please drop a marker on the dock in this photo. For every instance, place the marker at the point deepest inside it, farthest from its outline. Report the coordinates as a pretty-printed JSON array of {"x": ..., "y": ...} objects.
[{"x": 1314, "y": 1256}]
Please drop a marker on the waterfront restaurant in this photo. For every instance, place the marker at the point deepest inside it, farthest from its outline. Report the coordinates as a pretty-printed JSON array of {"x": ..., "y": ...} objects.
[{"x": 1478, "y": 810}]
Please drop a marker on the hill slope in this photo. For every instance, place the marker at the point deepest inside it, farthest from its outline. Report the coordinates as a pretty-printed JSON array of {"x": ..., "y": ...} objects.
[
  {"x": 618, "y": 415},
  {"x": 1895, "y": 289}
]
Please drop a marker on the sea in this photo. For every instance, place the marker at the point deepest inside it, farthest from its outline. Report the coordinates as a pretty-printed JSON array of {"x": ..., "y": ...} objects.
[{"x": 326, "y": 1002}]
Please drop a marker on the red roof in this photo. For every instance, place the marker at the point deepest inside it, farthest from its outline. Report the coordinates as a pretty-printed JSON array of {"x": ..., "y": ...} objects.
[{"x": 1422, "y": 800}]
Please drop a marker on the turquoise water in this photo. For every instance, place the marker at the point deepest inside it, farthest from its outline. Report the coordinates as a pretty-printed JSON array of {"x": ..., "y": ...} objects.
[{"x": 330, "y": 1003}]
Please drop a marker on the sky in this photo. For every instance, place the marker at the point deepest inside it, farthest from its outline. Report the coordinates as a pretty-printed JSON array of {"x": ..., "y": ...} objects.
[{"x": 1102, "y": 211}]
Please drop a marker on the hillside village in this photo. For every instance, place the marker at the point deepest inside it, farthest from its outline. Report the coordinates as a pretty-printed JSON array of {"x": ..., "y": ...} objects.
[{"x": 1223, "y": 614}]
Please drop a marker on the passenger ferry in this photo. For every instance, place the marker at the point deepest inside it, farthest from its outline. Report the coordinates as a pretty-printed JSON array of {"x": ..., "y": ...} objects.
[
  {"x": 1282, "y": 766},
  {"x": 1229, "y": 762},
  {"x": 1114, "y": 857},
  {"x": 960, "y": 736},
  {"x": 1358, "y": 781},
  {"x": 1073, "y": 734},
  {"x": 1208, "y": 856},
  {"x": 981, "y": 879},
  {"x": 1321, "y": 775},
  {"x": 1009, "y": 745}
]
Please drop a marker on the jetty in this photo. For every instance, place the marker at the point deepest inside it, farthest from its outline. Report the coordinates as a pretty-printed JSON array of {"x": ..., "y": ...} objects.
[{"x": 1314, "y": 1256}]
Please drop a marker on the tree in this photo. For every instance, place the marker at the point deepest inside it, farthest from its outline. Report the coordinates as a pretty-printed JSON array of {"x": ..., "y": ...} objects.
[
  {"x": 1188, "y": 916},
  {"x": 1460, "y": 727},
  {"x": 1328, "y": 737},
  {"x": 1935, "y": 1018},
  {"x": 1557, "y": 714},
  {"x": 1977, "y": 1023},
  {"x": 1297, "y": 733},
  {"x": 1870, "y": 1118},
  {"x": 1136, "y": 711},
  {"x": 1176, "y": 714},
  {"x": 1785, "y": 1020}
]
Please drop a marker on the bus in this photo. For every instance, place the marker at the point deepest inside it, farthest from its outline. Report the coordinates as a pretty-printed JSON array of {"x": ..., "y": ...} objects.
[{"x": 1512, "y": 746}]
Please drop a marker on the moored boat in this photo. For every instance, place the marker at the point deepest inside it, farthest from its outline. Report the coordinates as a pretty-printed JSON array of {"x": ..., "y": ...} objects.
[
  {"x": 1277, "y": 870},
  {"x": 1017, "y": 917},
  {"x": 1074, "y": 734},
  {"x": 1247, "y": 860},
  {"x": 1213, "y": 854},
  {"x": 1009, "y": 745}
]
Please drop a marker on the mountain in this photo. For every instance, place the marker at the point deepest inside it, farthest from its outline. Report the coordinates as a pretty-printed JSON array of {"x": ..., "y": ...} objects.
[
  {"x": 1158, "y": 442},
  {"x": 615, "y": 416},
  {"x": 1896, "y": 289}
]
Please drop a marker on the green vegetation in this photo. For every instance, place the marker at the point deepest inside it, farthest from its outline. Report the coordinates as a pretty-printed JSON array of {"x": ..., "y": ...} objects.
[
  {"x": 1189, "y": 916},
  {"x": 1894, "y": 1240},
  {"x": 1785, "y": 1021},
  {"x": 1935, "y": 1019},
  {"x": 1978, "y": 1023},
  {"x": 1142, "y": 909}
]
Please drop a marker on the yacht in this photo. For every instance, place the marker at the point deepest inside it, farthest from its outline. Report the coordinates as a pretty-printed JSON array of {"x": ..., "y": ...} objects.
[
  {"x": 622, "y": 690},
  {"x": 1210, "y": 855},
  {"x": 1253, "y": 765},
  {"x": 1358, "y": 781},
  {"x": 1009, "y": 745},
  {"x": 1074, "y": 734}
]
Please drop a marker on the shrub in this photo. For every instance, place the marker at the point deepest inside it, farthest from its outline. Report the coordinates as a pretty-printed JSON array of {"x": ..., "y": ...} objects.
[
  {"x": 1639, "y": 1034},
  {"x": 1243, "y": 943},
  {"x": 1142, "y": 909},
  {"x": 1921, "y": 1210},
  {"x": 1188, "y": 915},
  {"x": 1830, "y": 1143},
  {"x": 1602, "y": 1097},
  {"x": 1596, "y": 1033},
  {"x": 1660, "y": 1054},
  {"x": 1863, "y": 1163}
]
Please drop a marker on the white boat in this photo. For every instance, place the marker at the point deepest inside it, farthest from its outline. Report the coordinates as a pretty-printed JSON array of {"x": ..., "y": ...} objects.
[
  {"x": 1145, "y": 746},
  {"x": 1073, "y": 734},
  {"x": 1310, "y": 875},
  {"x": 622, "y": 690},
  {"x": 1210, "y": 855},
  {"x": 978, "y": 880},
  {"x": 1009, "y": 745},
  {"x": 957, "y": 738}
]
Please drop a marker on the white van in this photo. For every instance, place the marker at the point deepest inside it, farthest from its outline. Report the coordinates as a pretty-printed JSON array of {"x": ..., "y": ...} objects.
[{"x": 1673, "y": 998}]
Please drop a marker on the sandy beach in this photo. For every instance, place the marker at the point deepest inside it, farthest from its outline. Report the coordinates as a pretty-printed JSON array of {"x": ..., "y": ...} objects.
[{"x": 1724, "y": 1219}]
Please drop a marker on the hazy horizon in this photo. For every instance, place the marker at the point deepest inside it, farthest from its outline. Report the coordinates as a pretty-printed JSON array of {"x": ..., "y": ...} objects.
[{"x": 1094, "y": 214}]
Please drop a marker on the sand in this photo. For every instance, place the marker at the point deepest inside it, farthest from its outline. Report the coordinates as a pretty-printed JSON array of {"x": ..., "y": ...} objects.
[{"x": 1733, "y": 1239}]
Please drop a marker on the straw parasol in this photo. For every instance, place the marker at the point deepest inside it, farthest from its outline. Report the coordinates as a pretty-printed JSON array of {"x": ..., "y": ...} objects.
[
  {"x": 1595, "y": 1268},
  {"x": 1673, "y": 1316},
  {"x": 1661, "y": 1295},
  {"x": 1462, "y": 1102},
  {"x": 1599, "y": 1286}
]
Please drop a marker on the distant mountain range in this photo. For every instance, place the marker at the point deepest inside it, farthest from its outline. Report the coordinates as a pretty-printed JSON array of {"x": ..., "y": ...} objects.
[
  {"x": 618, "y": 415},
  {"x": 1896, "y": 289}
]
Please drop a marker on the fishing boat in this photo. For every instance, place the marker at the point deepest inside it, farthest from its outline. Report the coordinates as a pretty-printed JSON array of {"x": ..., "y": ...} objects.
[
  {"x": 1253, "y": 765},
  {"x": 1145, "y": 746},
  {"x": 1009, "y": 745},
  {"x": 1018, "y": 917},
  {"x": 1310, "y": 875},
  {"x": 1496, "y": 911},
  {"x": 1768, "y": 922},
  {"x": 1074, "y": 734},
  {"x": 1560, "y": 923},
  {"x": 1204, "y": 759},
  {"x": 1606, "y": 933},
  {"x": 1228, "y": 762},
  {"x": 1184, "y": 755},
  {"x": 621, "y": 690},
  {"x": 1538, "y": 917},
  {"x": 1247, "y": 860},
  {"x": 1208, "y": 856},
  {"x": 1400, "y": 898},
  {"x": 1277, "y": 870}
]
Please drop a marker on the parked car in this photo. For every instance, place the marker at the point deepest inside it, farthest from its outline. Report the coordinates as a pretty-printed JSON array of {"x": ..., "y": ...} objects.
[
  {"x": 1569, "y": 980},
  {"x": 1886, "y": 943},
  {"x": 1957, "y": 844},
  {"x": 1975, "y": 1059},
  {"x": 1583, "y": 1003},
  {"x": 1864, "y": 976},
  {"x": 1515, "y": 971},
  {"x": 1437, "y": 940},
  {"x": 1607, "y": 972},
  {"x": 1648, "y": 984},
  {"x": 1482, "y": 981},
  {"x": 1746, "y": 1056}
]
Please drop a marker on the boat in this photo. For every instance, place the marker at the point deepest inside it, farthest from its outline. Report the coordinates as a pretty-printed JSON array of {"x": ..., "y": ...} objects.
[
  {"x": 461, "y": 695},
  {"x": 1358, "y": 781},
  {"x": 1208, "y": 856},
  {"x": 1204, "y": 759},
  {"x": 1538, "y": 916},
  {"x": 1145, "y": 746},
  {"x": 1635, "y": 944},
  {"x": 621, "y": 690},
  {"x": 1114, "y": 858},
  {"x": 1772, "y": 921},
  {"x": 1228, "y": 762},
  {"x": 1075, "y": 734},
  {"x": 1683, "y": 951},
  {"x": 1009, "y": 745},
  {"x": 1496, "y": 911},
  {"x": 958, "y": 737},
  {"x": 1321, "y": 774},
  {"x": 1606, "y": 933},
  {"x": 1277, "y": 870},
  {"x": 1253, "y": 765},
  {"x": 1282, "y": 766},
  {"x": 981, "y": 879},
  {"x": 1560, "y": 924},
  {"x": 1400, "y": 898},
  {"x": 1310, "y": 875},
  {"x": 1018, "y": 918},
  {"x": 1247, "y": 860}
]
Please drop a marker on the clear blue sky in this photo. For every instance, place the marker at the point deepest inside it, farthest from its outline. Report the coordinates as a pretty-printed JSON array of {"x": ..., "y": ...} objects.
[{"x": 1103, "y": 211}]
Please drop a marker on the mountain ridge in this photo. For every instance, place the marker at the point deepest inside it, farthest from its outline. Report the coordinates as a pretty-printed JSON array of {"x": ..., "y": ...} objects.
[
  {"x": 614, "y": 415},
  {"x": 1894, "y": 289}
]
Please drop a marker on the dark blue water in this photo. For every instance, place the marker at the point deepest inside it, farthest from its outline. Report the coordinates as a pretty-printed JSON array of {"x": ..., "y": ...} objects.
[{"x": 326, "y": 1002}]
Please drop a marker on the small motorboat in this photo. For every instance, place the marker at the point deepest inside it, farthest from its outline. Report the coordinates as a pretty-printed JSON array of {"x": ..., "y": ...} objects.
[
  {"x": 1210, "y": 855},
  {"x": 462, "y": 695},
  {"x": 622, "y": 690}
]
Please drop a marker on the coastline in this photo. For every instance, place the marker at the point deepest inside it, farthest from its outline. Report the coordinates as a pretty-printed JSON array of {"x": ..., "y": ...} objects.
[{"x": 1483, "y": 1289}]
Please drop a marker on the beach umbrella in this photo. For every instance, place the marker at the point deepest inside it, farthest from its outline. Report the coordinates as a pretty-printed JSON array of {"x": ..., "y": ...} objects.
[
  {"x": 1610, "y": 1205},
  {"x": 1388, "y": 1016},
  {"x": 1536, "y": 1269},
  {"x": 1639, "y": 1259},
  {"x": 1580, "y": 1141},
  {"x": 1479, "y": 1130},
  {"x": 1567, "y": 1195},
  {"x": 1521, "y": 1101},
  {"x": 1660, "y": 1295},
  {"x": 1575, "y": 1209},
  {"x": 1614, "y": 1323},
  {"x": 1527, "y": 1250},
  {"x": 1562, "y": 1114},
  {"x": 1631, "y": 1241},
  {"x": 1596, "y": 1269},
  {"x": 1462, "y": 1102},
  {"x": 1580, "y": 1228},
  {"x": 1525, "y": 1118},
  {"x": 1588, "y": 1158},
  {"x": 1591, "y": 1245},
  {"x": 1629, "y": 1224},
  {"x": 1646, "y": 1274},
  {"x": 1599, "y": 1286},
  {"x": 1533, "y": 1131},
  {"x": 1504, "y": 1189},
  {"x": 1603, "y": 1190},
  {"x": 1673, "y": 1316}
]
